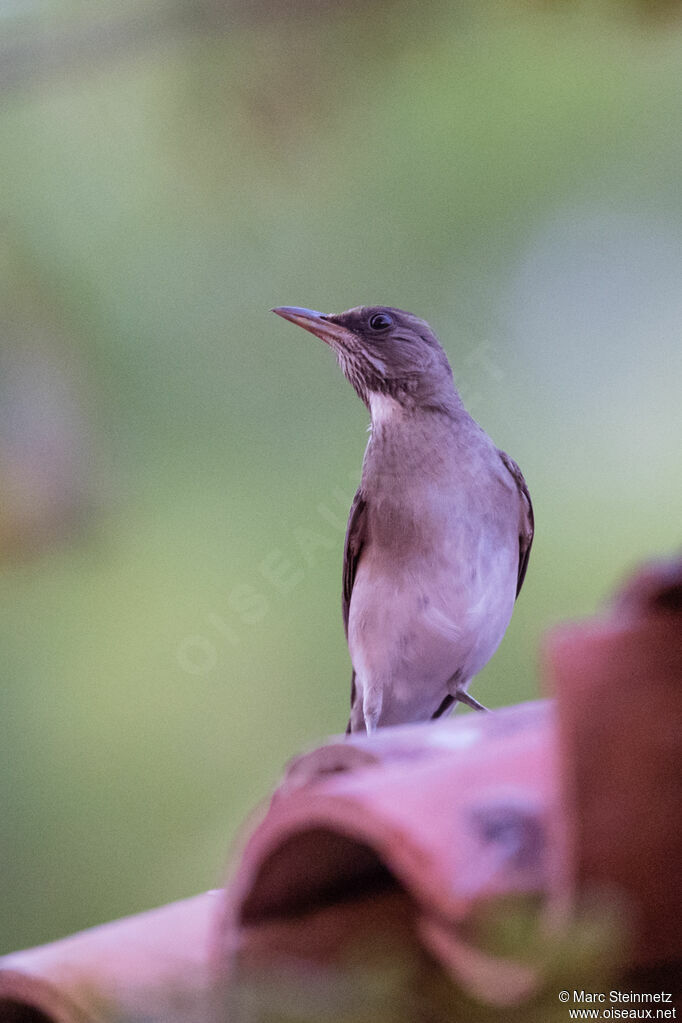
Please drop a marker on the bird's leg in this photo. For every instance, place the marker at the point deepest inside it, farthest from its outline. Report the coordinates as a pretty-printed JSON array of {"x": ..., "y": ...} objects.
[
  {"x": 460, "y": 695},
  {"x": 445, "y": 706},
  {"x": 463, "y": 697}
]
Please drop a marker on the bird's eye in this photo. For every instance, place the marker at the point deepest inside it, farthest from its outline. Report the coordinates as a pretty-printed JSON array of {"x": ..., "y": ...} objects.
[{"x": 380, "y": 321}]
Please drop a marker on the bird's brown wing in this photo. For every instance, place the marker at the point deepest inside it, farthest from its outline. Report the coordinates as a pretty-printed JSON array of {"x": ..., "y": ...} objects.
[
  {"x": 356, "y": 533},
  {"x": 527, "y": 522}
]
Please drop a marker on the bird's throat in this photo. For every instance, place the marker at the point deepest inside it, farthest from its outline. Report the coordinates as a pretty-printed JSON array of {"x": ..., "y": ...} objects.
[{"x": 384, "y": 410}]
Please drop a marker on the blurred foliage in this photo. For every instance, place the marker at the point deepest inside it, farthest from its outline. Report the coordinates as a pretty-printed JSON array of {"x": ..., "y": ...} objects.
[
  {"x": 176, "y": 465},
  {"x": 392, "y": 982}
]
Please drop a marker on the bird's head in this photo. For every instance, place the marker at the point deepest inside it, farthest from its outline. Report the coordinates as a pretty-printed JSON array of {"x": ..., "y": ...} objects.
[{"x": 384, "y": 351}]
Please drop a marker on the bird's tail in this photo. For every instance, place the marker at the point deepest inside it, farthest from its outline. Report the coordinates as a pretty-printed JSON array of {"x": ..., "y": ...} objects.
[{"x": 353, "y": 699}]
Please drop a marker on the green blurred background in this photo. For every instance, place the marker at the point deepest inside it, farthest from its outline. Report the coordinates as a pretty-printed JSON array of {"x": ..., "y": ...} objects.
[{"x": 176, "y": 464}]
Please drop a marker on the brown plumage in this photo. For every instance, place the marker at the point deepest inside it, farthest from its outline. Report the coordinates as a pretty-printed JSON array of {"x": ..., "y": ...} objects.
[{"x": 440, "y": 529}]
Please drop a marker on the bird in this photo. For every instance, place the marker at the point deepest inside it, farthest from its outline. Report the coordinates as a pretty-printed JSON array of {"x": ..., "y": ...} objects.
[{"x": 440, "y": 529}]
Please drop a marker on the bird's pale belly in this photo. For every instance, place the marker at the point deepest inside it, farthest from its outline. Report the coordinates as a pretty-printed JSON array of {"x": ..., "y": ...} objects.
[{"x": 407, "y": 639}]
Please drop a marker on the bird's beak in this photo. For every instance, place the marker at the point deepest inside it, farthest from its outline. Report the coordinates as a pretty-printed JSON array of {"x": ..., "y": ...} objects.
[{"x": 317, "y": 323}]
